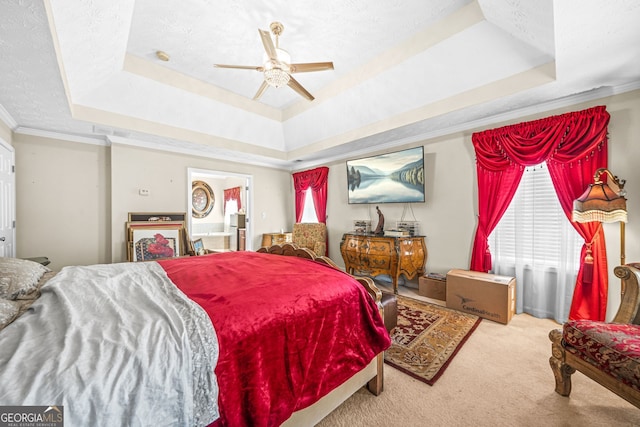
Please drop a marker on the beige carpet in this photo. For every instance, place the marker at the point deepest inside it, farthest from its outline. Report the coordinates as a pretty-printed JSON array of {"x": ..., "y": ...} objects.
[
  {"x": 501, "y": 377},
  {"x": 427, "y": 338}
]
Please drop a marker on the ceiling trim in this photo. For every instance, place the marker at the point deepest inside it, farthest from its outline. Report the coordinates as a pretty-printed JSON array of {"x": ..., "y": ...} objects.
[
  {"x": 152, "y": 71},
  {"x": 193, "y": 152},
  {"x": 21, "y": 130},
  {"x": 508, "y": 86},
  {"x": 95, "y": 115},
  {"x": 58, "y": 52},
  {"x": 568, "y": 101},
  {"x": 595, "y": 94},
  {"x": 7, "y": 118}
]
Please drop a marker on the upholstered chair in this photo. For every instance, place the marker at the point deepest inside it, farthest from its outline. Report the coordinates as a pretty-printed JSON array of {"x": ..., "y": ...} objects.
[
  {"x": 606, "y": 352},
  {"x": 311, "y": 236}
]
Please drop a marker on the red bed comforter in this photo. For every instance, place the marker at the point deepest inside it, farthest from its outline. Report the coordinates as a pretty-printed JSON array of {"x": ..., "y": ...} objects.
[{"x": 290, "y": 330}]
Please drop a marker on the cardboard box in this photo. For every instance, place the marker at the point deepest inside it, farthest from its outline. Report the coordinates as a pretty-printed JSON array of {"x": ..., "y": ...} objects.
[
  {"x": 432, "y": 288},
  {"x": 486, "y": 295}
]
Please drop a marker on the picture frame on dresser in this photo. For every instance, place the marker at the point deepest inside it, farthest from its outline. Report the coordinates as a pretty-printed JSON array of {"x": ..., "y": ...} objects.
[{"x": 198, "y": 247}]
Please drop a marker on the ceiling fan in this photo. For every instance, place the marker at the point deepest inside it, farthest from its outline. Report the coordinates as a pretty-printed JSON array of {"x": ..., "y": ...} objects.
[{"x": 277, "y": 66}]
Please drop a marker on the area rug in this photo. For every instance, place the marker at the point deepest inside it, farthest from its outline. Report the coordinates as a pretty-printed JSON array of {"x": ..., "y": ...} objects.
[{"x": 427, "y": 338}]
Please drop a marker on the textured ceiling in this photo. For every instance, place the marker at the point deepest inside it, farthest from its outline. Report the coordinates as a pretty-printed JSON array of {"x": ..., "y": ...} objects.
[{"x": 404, "y": 70}]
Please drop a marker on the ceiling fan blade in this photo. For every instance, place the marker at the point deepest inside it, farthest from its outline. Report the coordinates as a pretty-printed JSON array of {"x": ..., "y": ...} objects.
[
  {"x": 293, "y": 84},
  {"x": 261, "y": 90},
  {"x": 241, "y": 67},
  {"x": 311, "y": 66},
  {"x": 268, "y": 44}
]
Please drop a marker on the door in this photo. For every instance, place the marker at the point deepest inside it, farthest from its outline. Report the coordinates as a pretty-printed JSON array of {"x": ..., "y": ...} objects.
[{"x": 7, "y": 201}]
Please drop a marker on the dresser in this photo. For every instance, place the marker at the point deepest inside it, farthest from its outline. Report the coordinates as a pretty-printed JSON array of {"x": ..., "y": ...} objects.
[
  {"x": 372, "y": 255},
  {"x": 270, "y": 239}
]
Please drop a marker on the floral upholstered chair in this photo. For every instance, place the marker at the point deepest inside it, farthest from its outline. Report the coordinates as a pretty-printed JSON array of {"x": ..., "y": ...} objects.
[
  {"x": 311, "y": 236},
  {"x": 608, "y": 353}
]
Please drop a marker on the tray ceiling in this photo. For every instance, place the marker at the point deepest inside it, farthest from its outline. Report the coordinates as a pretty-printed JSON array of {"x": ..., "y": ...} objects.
[{"x": 403, "y": 70}]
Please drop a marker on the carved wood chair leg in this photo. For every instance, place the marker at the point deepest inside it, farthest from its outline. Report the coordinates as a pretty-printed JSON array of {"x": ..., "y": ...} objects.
[{"x": 561, "y": 371}]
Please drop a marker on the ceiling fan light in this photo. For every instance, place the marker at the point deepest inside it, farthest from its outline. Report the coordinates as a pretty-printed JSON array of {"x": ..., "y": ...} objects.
[{"x": 276, "y": 77}]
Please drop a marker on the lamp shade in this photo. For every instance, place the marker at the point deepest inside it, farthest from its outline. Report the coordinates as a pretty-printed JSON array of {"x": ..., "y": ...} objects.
[{"x": 600, "y": 203}]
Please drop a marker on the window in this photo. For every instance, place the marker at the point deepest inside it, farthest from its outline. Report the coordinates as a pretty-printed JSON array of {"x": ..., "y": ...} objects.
[
  {"x": 535, "y": 242},
  {"x": 309, "y": 212}
]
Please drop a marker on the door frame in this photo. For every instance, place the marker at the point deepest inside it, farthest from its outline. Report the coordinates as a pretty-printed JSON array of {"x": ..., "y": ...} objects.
[
  {"x": 12, "y": 211},
  {"x": 248, "y": 205}
]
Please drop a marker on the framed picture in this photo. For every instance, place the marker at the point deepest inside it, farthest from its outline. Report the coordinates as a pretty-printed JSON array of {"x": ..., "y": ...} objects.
[
  {"x": 388, "y": 178},
  {"x": 202, "y": 199},
  {"x": 155, "y": 240},
  {"x": 198, "y": 247}
]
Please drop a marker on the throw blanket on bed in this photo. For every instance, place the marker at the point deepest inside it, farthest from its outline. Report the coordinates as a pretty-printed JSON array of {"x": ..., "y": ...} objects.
[
  {"x": 290, "y": 330},
  {"x": 117, "y": 345}
]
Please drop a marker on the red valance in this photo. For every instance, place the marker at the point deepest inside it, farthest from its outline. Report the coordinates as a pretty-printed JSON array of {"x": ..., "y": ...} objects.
[{"x": 565, "y": 138}]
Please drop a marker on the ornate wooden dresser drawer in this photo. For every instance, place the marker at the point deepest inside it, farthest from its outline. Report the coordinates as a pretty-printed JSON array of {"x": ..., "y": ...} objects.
[{"x": 372, "y": 255}]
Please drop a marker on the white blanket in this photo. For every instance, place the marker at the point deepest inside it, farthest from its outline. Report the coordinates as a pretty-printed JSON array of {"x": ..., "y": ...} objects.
[{"x": 115, "y": 345}]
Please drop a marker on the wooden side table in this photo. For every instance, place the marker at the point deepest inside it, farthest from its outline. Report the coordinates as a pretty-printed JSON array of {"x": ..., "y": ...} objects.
[{"x": 270, "y": 239}]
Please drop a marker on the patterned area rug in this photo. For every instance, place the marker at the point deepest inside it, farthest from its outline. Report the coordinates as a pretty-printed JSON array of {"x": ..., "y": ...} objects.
[{"x": 427, "y": 338}]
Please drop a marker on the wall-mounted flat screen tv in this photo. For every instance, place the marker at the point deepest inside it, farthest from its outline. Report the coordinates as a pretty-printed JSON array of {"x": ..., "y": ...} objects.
[{"x": 387, "y": 178}]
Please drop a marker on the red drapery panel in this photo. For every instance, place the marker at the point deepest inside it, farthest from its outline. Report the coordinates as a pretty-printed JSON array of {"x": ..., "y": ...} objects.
[
  {"x": 316, "y": 179},
  {"x": 574, "y": 145},
  {"x": 232, "y": 194}
]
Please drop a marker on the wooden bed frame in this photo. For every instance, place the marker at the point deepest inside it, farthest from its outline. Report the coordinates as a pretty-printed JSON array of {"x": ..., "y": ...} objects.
[{"x": 372, "y": 375}]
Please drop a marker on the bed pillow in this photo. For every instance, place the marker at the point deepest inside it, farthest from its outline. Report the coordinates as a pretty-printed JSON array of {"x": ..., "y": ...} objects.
[
  {"x": 19, "y": 277},
  {"x": 9, "y": 311}
]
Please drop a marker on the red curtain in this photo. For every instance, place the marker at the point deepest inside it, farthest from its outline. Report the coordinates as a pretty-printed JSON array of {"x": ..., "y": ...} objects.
[
  {"x": 232, "y": 194},
  {"x": 574, "y": 145},
  {"x": 316, "y": 179}
]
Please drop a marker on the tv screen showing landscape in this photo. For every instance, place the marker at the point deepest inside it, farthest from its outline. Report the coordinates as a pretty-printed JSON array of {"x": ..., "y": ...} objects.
[{"x": 396, "y": 177}]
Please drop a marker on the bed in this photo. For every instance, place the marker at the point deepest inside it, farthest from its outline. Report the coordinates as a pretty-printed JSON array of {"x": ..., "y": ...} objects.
[{"x": 261, "y": 338}]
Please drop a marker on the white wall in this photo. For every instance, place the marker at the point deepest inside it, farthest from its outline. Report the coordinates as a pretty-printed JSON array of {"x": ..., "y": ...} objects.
[
  {"x": 73, "y": 198},
  {"x": 62, "y": 201},
  {"x": 165, "y": 175},
  {"x": 444, "y": 217}
]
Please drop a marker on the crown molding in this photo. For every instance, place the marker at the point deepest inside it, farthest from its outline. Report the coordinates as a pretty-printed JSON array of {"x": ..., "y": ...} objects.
[
  {"x": 94, "y": 140},
  {"x": 597, "y": 93},
  {"x": 567, "y": 101},
  {"x": 7, "y": 119},
  {"x": 195, "y": 152}
]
